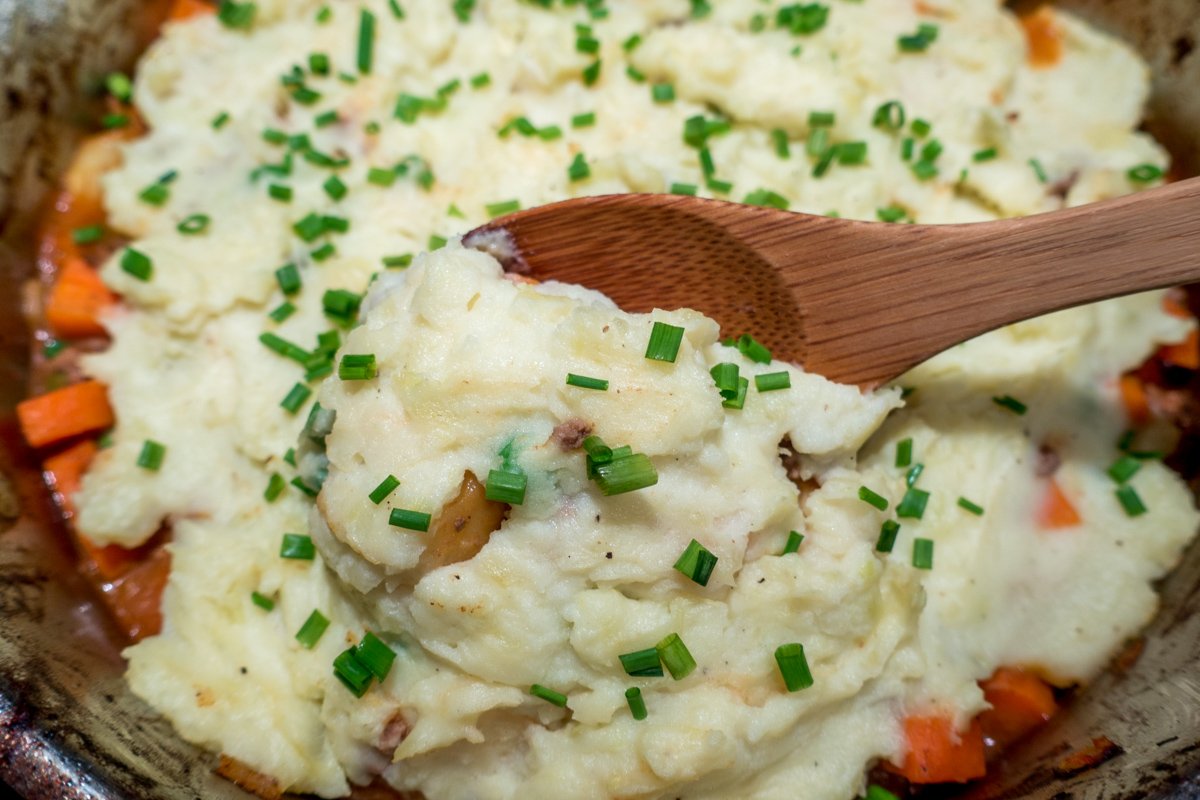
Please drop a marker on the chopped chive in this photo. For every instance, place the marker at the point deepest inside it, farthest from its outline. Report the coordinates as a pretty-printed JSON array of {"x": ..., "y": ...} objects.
[
  {"x": 297, "y": 546},
  {"x": 780, "y": 138},
  {"x": 871, "y": 498},
  {"x": 236, "y": 15},
  {"x": 912, "y": 505},
  {"x": 411, "y": 520},
  {"x": 278, "y": 191},
  {"x": 324, "y": 252},
  {"x": 587, "y": 44},
  {"x": 966, "y": 504},
  {"x": 480, "y": 81},
  {"x": 151, "y": 456},
  {"x": 506, "y": 487},
  {"x": 503, "y": 207},
  {"x": 397, "y": 10},
  {"x": 887, "y": 536},
  {"x": 398, "y": 261},
  {"x": 288, "y": 278},
  {"x": 766, "y": 198},
  {"x": 1038, "y": 170},
  {"x": 584, "y": 120},
  {"x": 578, "y": 169},
  {"x": 274, "y": 136},
  {"x": 922, "y": 555},
  {"x": 635, "y": 74},
  {"x": 773, "y": 381},
  {"x": 358, "y": 367},
  {"x": 597, "y": 450},
  {"x": 1130, "y": 500},
  {"x": 376, "y": 656},
  {"x": 193, "y": 224},
  {"x": 296, "y": 398},
  {"x": 591, "y": 73},
  {"x": 631, "y": 43},
  {"x": 262, "y": 601},
  {"x": 1124, "y": 468},
  {"x": 904, "y": 452},
  {"x": 924, "y": 170},
  {"x": 89, "y": 234},
  {"x": 1011, "y": 403},
  {"x": 436, "y": 242},
  {"x": 300, "y": 484},
  {"x": 290, "y": 456},
  {"x": 696, "y": 562},
  {"x": 549, "y": 695},
  {"x": 137, "y": 264},
  {"x": 385, "y": 487},
  {"x": 821, "y": 119},
  {"x": 637, "y": 706},
  {"x": 584, "y": 382},
  {"x": 53, "y": 347},
  {"x": 366, "y": 41},
  {"x": 725, "y": 376},
  {"x": 318, "y": 63},
  {"x": 914, "y": 472},
  {"x": 642, "y": 663},
  {"x": 1144, "y": 173},
  {"x": 381, "y": 177},
  {"x": 793, "y": 666},
  {"x": 662, "y": 92},
  {"x": 664, "y": 342},
  {"x": 739, "y": 401},
  {"x": 353, "y": 674},
  {"x": 802, "y": 18},
  {"x": 748, "y": 346},
  {"x": 687, "y": 189},
  {"x": 275, "y": 487},
  {"x": 675, "y": 656},
  {"x": 283, "y": 347},
  {"x": 889, "y": 116},
  {"x": 325, "y": 119},
  {"x": 980, "y": 156},
  {"x": 282, "y": 311},
  {"x": 794, "y": 540},
  {"x": 627, "y": 474},
  {"x": 220, "y": 120},
  {"x": 877, "y": 792},
  {"x": 311, "y": 631},
  {"x": 918, "y": 42}
]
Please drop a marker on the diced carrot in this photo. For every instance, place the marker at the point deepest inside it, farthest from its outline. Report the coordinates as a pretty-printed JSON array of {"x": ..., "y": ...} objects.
[
  {"x": 1175, "y": 303},
  {"x": 186, "y": 9},
  {"x": 73, "y": 410},
  {"x": 1044, "y": 37},
  {"x": 65, "y": 470},
  {"x": 1134, "y": 399},
  {"x": 1056, "y": 509},
  {"x": 1020, "y": 702},
  {"x": 937, "y": 754},
  {"x": 135, "y": 598},
  {"x": 1184, "y": 354},
  {"x": 77, "y": 300}
]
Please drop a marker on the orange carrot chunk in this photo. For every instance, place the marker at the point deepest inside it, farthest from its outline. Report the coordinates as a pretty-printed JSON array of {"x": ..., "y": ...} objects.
[
  {"x": 65, "y": 470},
  {"x": 186, "y": 9},
  {"x": 1056, "y": 509},
  {"x": 937, "y": 754},
  {"x": 1183, "y": 354},
  {"x": 1020, "y": 702},
  {"x": 64, "y": 413},
  {"x": 1175, "y": 303},
  {"x": 135, "y": 598},
  {"x": 1044, "y": 38},
  {"x": 77, "y": 301},
  {"x": 1134, "y": 399}
]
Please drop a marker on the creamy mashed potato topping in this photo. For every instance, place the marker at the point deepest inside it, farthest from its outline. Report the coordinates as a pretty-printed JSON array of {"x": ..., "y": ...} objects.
[{"x": 325, "y": 166}]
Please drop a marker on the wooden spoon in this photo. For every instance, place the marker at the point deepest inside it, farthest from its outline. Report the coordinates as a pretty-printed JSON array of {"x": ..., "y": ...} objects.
[{"x": 857, "y": 302}]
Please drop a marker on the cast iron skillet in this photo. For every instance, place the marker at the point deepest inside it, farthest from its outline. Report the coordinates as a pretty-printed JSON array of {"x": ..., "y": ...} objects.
[{"x": 68, "y": 726}]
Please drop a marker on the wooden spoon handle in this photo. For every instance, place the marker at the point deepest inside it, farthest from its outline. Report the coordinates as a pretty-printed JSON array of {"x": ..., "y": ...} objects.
[{"x": 969, "y": 279}]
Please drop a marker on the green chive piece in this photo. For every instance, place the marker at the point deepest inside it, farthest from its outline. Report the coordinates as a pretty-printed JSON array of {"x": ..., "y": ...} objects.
[
  {"x": 296, "y": 397},
  {"x": 397, "y": 10},
  {"x": 889, "y": 116},
  {"x": 687, "y": 189},
  {"x": 503, "y": 207},
  {"x": 193, "y": 224},
  {"x": 1124, "y": 468},
  {"x": 311, "y": 631},
  {"x": 904, "y": 452},
  {"x": 696, "y": 562},
  {"x": 375, "y": 655},
  {"x": 922, "y": 555},
  {"x": 793, "y": 666},
  {"x": 584, "y": 120},
  {"x": 591, "y": 73},
  {"x": 578, "y": 169},
  {"x": 437, "y": 242},
  {"x": 918, "y": 42},
  {"x": 1130, "y": 500},
  {"x": 284, "y": 348},
  {"x": 297, "y": 546},
  {"x": 549, "y": 695},
  {"x": 980, "y": 156},
  {"x": 584, "y": 382},
  {"x": 110, "y": 121},
  {"x": 626, "y": 474},
  {"x": 151, "y": 456},
  {"x": 635, "y": 74},
  {"x": 773, "y": 381},
  {"x": 780, "y": 139},
  {"x": 275, "y": 487},
  {"x": 334, "y": 187},
  {"x": 767, "y": 199},
  {"x": 1144, "y": 173},
  {"x": 325, "y": 251},
  {"x": 137, "y": 264},
  {"x": 877, "y": 792},
  {"x": 597, "y": 450},
  {"x": 481, "y": 80},
  {"x": 914, "y": 472},
  {"x": 119, "y": 86},
  {"x": 310, "y": 227},
  {"x": 52, "y": 347},
  {"x": 748, "y": 346},
  {"x": 675, "y": 656},
  {"x": 1038, "y": 170},
  {"x": 353, "y": 674},
  {"x": 358, "y": 367},
  {"x": 662, "y": 92},
  {"x": 410, "y": 520},
  {"x": 366, "y": 41},
  {"x": 236, "y": 15},
  {"x": 912, "y": 505},
  {"x": 794, "y": 540},
  {"x": 664, "y": 342},
  {"x": 506, "y": 487},
  {"x": 725, "y": 375},
  {"x": 385, "y": 487},
  {"x": 398, "y": 261},
  {"x": 318, "y": 63},
  {"x": 88, "y": 235},
  {"x": 220, "y": 120},
  {"x": 1011, "y": 403},
  {"x": 890, "y": 214},
  {"x": 631, "y": 43},
  {"x": 642, "y": 663},
  {"x": 278, "y": 191},
  {"x": 973, "y": 508},
  {"x": 871, "y": 498},
  {"x": 739, "y": 401},
  {"x": 288, "y": 278},
  {"x": 887, "y": 536},
  {"x": 262, "y": 601},
  {"x": 637, "y": 706}
]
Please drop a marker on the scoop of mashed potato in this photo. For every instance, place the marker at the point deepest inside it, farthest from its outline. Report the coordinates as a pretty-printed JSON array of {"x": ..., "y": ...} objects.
[{"x": 328, "y": 144}]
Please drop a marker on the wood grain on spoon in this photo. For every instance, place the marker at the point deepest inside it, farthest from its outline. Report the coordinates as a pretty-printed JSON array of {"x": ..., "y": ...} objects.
[{"x": 858, "y": 302}]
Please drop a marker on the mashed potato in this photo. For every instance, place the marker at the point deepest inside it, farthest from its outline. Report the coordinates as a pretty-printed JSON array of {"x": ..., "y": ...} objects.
[{"x": 328, "y": 145}]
